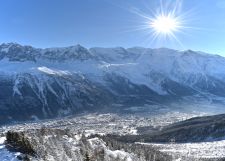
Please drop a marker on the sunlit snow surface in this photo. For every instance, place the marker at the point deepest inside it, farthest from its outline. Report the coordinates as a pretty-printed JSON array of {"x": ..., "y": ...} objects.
[
  {"x": 214, "y": 149},
  {"x": 5, "y": 155}
]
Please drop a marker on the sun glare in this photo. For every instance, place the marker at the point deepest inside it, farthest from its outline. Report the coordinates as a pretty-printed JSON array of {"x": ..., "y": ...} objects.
[{"x": 164, "y": 24}]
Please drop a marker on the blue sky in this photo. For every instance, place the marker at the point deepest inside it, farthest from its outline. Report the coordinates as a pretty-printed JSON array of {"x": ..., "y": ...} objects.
[{"x": 109, "y": 23}]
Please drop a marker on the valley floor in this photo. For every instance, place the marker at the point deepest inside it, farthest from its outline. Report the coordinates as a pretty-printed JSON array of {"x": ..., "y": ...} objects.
[
  {"x": 106, "y": 123},
  {"x": 119, "y": 125},
  {"x": 211, "y": 150}
]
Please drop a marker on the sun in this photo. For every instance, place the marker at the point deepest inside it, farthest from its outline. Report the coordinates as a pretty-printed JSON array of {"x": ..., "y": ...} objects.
[{"x": 164, "y": 24}]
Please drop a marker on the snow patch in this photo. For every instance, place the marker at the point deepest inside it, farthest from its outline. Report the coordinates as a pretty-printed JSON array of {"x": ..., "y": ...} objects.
[
  {"x": 5, "y": 155},
  {"x": 213, "y": 149},
  {"x": 6, "y": 49},
  {"x": 16, "y": 88},
  {"x": 2, "y": 140},
  {"x": 53, "y": 72},
  {"x": 122, "y": 155}
]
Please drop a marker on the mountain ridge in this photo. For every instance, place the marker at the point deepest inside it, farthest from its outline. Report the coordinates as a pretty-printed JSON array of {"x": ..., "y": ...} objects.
[
  {"x": 56, "y": 82},
  {"x": 116, "y": 47}
]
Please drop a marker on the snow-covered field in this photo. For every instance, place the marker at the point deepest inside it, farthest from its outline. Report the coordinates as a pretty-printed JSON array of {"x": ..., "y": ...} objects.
[
  {"x": 214, "y": 149},
  {"x": 5, "y": 155}
]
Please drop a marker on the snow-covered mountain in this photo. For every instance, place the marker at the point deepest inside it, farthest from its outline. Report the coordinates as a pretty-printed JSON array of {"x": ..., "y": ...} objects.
[{"x": 46, "y": 83}]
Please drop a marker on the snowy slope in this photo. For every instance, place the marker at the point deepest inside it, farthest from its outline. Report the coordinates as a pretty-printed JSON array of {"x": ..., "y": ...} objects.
[
  {"x": 5, "y": 155},
  {"x": 210, "y": 150},
  {"x": 61, "y": 81}
]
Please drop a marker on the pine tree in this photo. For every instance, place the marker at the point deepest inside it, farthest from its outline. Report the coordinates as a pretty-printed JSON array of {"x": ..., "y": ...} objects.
[{"x": 87, "y": 158}]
